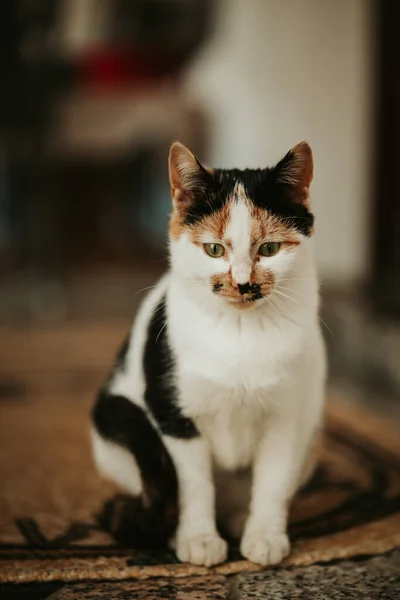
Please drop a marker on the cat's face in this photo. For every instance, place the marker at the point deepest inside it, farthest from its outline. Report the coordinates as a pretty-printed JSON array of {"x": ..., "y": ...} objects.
[{"x": 237, "y": 233}]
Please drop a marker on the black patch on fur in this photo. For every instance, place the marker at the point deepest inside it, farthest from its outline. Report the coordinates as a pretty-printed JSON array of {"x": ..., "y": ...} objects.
[
  {"x": 255, "y": 291},
  {"x": 256, "y": 295},
  {"x": 161, "y": 395},
  {"x": 150, "y": 520},
  {"x": 217, "y": 287},
  {"x": 261, "y": 187},
  {"x": 244, "y": 288}
]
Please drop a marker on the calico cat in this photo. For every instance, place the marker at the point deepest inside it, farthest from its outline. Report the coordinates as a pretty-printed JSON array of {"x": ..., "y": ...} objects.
[{"x": 213, "y": 407}]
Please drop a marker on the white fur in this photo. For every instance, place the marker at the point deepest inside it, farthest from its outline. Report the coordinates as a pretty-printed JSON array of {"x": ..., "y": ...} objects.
[
  {"x": 116, "y": 463},
  {"x": 253, "y": 383},
  {"x": 130, "y": 382},
  {"x": 197, "y": 540},
  {"x": 238, "y": 232}
]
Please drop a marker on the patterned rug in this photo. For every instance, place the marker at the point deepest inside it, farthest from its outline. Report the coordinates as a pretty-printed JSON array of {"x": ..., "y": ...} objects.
[{"x": 50, "y": 492}]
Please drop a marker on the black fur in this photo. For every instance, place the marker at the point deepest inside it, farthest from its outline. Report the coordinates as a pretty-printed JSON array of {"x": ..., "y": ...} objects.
[
  {"x": 244, "y": 288},
  {"x": 262, "y": 188},
  {"x": 161, "y": 393},
  {"x": 217, "y": 287},
  {"x": 151, "y": 519},
  {"x": 256, "y": 293}
]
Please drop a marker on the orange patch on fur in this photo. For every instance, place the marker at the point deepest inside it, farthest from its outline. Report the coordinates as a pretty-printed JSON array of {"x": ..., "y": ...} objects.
[
  {"x": 262, "y": 277},
  {"x": 225, "y": 281},
  {"x": 213, "y": 225},
  {"x": 176, "y": 225},
  {"x": 268, "y": 227}
]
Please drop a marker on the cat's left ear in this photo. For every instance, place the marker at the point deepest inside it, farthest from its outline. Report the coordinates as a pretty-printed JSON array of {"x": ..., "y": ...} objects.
[{"x": 295, "y": 171}]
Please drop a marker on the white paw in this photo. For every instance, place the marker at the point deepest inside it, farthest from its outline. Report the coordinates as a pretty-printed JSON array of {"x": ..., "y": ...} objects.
[
  {"x": 265, "y": 549},
  {"x": 204, "y": 550}
]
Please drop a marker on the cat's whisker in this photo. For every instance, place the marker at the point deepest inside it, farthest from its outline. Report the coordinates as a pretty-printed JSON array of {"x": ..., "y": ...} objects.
[
  {"x": 286, "y": 296},
  {"x": 325, "y": 325},
  {"x": 149, "y": 287},
  {"x": 318, "y": 317},
  {"x": 303, "y": 295},
  {"x": 272, "y": 303},
  {"x": 297, "y": 279},
  {"x": 162, "y": 305},
  {"x": 283, "y": 314},
  {"x": 281, "y": 287},
  {"x": 161, "y": 330}
]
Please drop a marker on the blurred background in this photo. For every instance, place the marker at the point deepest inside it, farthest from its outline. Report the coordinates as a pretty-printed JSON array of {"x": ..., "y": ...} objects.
[{"x": 92, "y": 94}]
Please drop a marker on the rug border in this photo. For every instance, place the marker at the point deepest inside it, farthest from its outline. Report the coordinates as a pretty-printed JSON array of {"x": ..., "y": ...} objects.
[{"x": 303, "y": 553}]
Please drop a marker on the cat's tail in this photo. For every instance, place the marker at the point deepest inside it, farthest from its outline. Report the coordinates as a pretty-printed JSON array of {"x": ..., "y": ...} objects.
[
  {"x": 148, "y": 519},
  {"x": 132, "y": 524}
]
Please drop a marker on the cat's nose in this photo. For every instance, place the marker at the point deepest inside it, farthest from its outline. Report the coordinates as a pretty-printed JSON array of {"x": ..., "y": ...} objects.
[{"x": 244, "y": 288}]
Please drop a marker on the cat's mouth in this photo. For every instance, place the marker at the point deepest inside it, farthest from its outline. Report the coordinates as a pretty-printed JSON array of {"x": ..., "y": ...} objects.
[{"x": 247, "y": 300}]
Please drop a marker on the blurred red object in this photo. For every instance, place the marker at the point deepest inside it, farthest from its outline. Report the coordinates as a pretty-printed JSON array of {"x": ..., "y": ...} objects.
[{"x": 116, "y": 68}]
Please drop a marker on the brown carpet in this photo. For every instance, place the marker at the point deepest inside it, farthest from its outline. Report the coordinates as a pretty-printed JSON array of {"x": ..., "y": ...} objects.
[{"x": 50, "y": 492}]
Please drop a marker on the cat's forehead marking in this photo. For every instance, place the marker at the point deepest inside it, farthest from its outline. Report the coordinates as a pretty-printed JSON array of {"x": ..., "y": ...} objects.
[
  {"x": 238, "y": 232},
  {"x": 227, "y": 217},
  {"x": 238, "y": 227}
]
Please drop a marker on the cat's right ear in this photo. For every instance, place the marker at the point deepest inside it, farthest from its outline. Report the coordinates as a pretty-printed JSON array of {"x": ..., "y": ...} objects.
[{"x": 186, "y": 175}]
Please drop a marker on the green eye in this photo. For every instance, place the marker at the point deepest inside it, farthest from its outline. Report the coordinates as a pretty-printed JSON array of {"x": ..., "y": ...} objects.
[
  {"x": 214, "y": 250},
  {"x": 269, "y": 248}
]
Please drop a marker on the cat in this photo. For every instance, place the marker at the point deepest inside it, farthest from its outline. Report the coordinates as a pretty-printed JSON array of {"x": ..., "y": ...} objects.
[{"x": 215, "y": 403}]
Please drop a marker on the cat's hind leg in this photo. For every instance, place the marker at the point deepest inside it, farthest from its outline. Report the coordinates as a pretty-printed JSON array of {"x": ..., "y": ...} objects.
[
  {"x": 128, "y": 450},
  {"x": 116, "y": 463}
]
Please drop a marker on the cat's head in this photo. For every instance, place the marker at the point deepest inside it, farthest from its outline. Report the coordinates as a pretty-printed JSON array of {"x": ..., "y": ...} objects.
[{"x": 236, "y": 233}]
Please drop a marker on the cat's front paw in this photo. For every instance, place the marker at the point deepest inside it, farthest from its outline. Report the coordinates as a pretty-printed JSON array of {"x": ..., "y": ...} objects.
[
  {"x": 265, "y": 549},
  {"x": 206, "y": 550}
]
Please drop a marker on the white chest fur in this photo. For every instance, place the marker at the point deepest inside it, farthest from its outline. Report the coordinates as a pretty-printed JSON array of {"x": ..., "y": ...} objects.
[
  {"x": 233, "y": 434},
  {"x": 241, "y": 350},
  {"x": 232, "y": 371}
]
